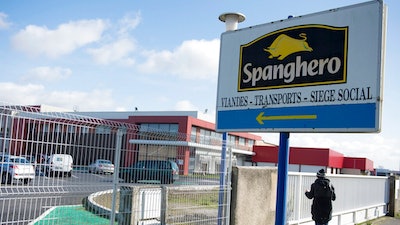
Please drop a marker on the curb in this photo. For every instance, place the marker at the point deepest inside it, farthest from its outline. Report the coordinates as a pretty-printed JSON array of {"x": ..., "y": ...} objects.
[{"x": 94, "y": 207}]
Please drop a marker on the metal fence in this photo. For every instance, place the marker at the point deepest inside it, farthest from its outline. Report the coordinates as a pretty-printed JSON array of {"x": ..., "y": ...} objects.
[
  {"x": 46, "y": 191},
  {"x": 359, "y": 198},
  {"x": 51, "y": 193}
]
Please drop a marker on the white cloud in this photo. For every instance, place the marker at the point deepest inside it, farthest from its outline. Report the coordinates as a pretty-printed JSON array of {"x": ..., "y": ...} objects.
[
  {"x": 206, "y": 114},
  {"x": 118, "y": 51},
  {"x": 44, "y": 73},
  {"x": 128, "y": 23},
  {"x": 20, "y": 94},
  {"x": 3, "y": 21},
  {"x": 120, "y": 45},
  {"x": 30, "y": 94},
  {"x": 194, "y": 59},
  {"x": 36, "y": 41},
  {"x": 185, "y": 105},
  {"x": 94, "y": 100}
]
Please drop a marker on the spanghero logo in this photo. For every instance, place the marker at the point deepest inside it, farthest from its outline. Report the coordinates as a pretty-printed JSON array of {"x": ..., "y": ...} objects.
[{"x": 294, "y": 57}]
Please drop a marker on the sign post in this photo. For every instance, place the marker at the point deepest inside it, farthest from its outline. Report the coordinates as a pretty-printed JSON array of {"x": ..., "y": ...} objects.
[{"x": 283, "y": 163}]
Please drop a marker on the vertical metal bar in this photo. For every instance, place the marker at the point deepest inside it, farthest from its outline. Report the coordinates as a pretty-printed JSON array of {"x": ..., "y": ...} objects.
[
  {"x": 222, "y": 179},
  {"x": 300, "y": 196},
  {"x": 229, "y": 185},
  {"x": 283, "y": 161},
  {"x": 120, "y": 133},
  {"x": 164, "y": 204}
]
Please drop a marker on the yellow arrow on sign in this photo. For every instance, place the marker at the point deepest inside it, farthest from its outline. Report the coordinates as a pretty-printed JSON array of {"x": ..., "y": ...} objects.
[{"x": 260, "y": 118}]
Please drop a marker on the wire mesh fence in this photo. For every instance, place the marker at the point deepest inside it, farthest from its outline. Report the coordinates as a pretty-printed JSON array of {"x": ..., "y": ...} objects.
[{"x": 64, "y": 168}]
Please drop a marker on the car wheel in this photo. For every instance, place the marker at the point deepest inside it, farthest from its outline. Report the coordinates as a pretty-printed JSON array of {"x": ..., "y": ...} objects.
[
  {"x": 8, "y": 178},
  {"x": 126, "y": 177},
  {"x": 4, "y": 178},
  {"x": 164, "y": 180},
  {"x": 27, "y": 180}
]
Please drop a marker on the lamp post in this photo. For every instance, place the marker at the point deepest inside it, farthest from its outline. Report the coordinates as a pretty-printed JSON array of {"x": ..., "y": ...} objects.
[{"x": 231, "y": 21}]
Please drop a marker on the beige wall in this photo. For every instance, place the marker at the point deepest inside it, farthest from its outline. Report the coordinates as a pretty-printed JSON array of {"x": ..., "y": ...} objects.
[{"x": 253, "y": 195}]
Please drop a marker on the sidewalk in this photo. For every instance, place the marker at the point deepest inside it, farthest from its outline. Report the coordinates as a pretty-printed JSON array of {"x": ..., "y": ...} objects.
[{"x": 385, "y": 220}]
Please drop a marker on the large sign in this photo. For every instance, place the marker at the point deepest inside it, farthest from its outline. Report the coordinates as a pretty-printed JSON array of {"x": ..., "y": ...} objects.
[{"x": 315, "y": 73}]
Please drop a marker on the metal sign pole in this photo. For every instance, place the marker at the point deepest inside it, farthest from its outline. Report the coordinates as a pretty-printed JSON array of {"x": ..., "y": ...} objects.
[
  {"x": 283, "y": 162},
  {"x": 222, "y": 179}
]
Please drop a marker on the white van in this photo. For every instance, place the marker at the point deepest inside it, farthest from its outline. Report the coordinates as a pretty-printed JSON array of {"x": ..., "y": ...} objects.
[{"x": 59, "y": 164}]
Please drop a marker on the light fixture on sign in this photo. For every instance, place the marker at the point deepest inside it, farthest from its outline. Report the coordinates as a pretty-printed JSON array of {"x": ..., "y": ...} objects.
[{"x": 231, "y": 20}]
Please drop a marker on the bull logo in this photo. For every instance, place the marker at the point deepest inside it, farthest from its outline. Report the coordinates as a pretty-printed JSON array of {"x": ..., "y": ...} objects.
[
  {"x": 284, "y": 58},
  {"x": 284, "y": 45}
]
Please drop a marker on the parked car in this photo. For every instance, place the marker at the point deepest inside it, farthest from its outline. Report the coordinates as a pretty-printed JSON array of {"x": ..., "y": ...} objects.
[
  {"x": 165, "y": 171},
  {"x": 101, "y": 166},
  {"x": 37, "y": 161},
  {"x": 15, "y": 168},
  {"x": 58, "y": 164}
]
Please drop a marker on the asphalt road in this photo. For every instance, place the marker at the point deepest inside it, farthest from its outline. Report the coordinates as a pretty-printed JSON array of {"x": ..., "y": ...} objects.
[{"x": 20, "y": 204}]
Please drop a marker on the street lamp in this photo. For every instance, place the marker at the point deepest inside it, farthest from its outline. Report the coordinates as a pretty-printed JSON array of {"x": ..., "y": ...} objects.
[{"x": 231, "y": 20}]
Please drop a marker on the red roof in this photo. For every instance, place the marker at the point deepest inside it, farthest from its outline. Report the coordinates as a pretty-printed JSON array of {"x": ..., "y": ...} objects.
[
  {"x": 358, "y": 163},
  {"x": 312, "y": 156}
]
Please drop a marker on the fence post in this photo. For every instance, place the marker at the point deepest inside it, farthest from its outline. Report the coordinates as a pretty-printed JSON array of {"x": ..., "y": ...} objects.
[
  {"x": 392, "y": 196},
  {"x": 125, "y": 206},
  {"x": 164, "y": 204},
  {"x": 120, "y": 133}
]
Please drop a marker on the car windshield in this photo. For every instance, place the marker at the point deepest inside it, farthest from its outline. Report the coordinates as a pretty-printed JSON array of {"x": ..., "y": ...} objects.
[
  {"x": 18, "y": 160},
  {"x": 104, "y": 162},
  {"x": 174, "y": 166}
]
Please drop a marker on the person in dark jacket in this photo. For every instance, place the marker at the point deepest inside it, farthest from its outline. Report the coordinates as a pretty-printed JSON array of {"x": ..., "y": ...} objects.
[{"x": 322, "y": 193}]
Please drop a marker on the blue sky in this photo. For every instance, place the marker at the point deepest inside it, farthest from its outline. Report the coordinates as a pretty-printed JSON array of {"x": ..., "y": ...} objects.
[{"x": 159, "y": 55}]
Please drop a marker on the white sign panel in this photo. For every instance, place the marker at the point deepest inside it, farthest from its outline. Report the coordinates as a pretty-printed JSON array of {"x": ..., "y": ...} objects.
[{"x": 315, "y": 73}]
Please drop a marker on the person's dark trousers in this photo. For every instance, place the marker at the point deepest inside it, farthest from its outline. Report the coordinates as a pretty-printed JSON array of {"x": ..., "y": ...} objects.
[{"x": 316, "y": 223}]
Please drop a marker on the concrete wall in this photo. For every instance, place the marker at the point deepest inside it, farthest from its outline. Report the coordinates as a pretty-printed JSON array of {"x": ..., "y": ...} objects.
[{"x": 253, "y": 195}]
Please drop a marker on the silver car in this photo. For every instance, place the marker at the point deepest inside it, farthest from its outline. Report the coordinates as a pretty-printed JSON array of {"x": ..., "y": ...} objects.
[
  {"x": 101, "y": 166},
  {"x": 16, "y": 168}
]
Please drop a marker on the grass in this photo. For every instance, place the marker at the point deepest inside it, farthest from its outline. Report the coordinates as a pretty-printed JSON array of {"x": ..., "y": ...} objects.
[
  {"x": 210, "y": 200},
  {"x": 193, "y": 199},
  {"x": 198, "y": 175}
]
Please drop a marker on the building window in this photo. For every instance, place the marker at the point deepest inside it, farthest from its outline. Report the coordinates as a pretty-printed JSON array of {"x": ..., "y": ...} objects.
[
  {"x": 193, "y": 134},
  {"x": 169, "y": 127},
  {"x": 205, "y": 136},
  {"x": 231, "y": 140},
  {"x": 84, "y": 130},
  {"x": 242, "y": 141},
  {"x": 46, "y": 128},
  {"x": 250, "y": 142},
  {"x": 103, "y": 130},
  {"x": 71, "y": 129}
]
